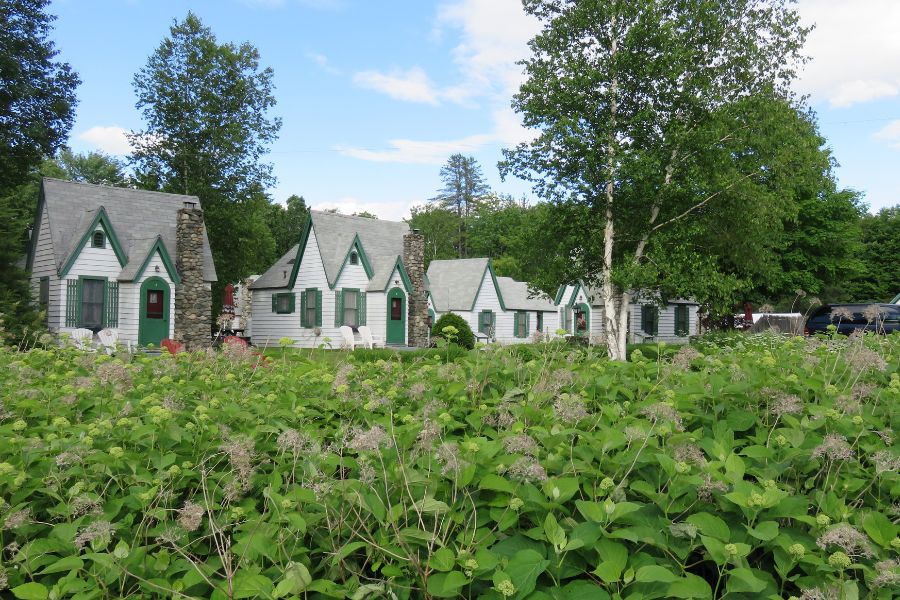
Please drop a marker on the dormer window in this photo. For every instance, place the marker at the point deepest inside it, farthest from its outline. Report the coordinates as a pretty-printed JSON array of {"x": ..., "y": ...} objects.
[
  {"x": 98, "y": 240},
  {"x": 354, "y": 258}
]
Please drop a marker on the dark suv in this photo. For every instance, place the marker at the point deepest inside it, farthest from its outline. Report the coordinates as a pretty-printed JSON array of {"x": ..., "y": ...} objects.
[{"x": 883, "y": 318}]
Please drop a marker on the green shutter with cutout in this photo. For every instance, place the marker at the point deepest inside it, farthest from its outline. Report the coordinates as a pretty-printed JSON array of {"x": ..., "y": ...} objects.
[
  {"x": 72, "y": 303},
  {"x": 516, "y": 324},
  {"x": 318, "y": 308},
  {"x": 527, "y": 324},
  {"x": 111, "y": 305},
  {"x": 361, "y": 307},
  {"x": 338, "y": 308},
  {"x": 303, "y": 320},
  {"x": 275, "y": 303},
  {"x": 292, "y": 303}
]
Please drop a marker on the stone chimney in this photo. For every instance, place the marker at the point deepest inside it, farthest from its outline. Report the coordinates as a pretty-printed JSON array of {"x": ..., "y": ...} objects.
[
  {"x": 414, "y": 261},
  {"x": 193, "y": 297}
]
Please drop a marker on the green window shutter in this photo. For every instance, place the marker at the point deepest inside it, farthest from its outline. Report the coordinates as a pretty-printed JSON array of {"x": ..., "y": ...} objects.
[
  {"x": 338, "y": 308},
  {"x": 72, "y": 303},
  {"x": 516, "y": 324},
  {"x": 318, "y": 308},
  {"x": 274, "y": 303},
  {"x": 292, "y": 299},
  {"x": 111, "y": 314},
  {"x": 303, "y": 320},
  {"x": 527, "y": 323},
  {"x": 681, "y": 320},
  {"x": 361, "y": 304}
]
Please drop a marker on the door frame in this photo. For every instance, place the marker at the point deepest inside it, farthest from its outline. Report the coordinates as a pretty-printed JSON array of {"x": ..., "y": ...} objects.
[
  {"x": 395, "y": 292},
  {"x": 142, "y": 307},
  {"x": 586, "y": 310}
]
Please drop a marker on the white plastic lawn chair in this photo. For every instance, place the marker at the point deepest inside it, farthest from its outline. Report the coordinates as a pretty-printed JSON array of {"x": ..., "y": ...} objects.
[
  {"x": 82, "y": 339},
  {"x": 347, "y": 340},
  {"x": 369, "y": 341},
  {"x": 108, "y": 339}
]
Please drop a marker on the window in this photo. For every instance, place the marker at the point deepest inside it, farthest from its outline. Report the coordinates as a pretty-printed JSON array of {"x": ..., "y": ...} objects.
[
  {"x": 311, "y": 309},
  {"x": 581, "y": 322},
  {"x": 540, "y": 321},
  {"x": 155, "y": 309},
  {"x": 354, "y": 258},
  {"x": 396, "y": 309},
  {"x": 486, "y": 322},
  {"x": 44, "y": 297},
  {"x": 92, "y": 292},
  {"x": 283, "y": 304},
  {"x": 98, "y": 240},
  {"x": 521, "y": 324},
  {"x": 649, "y": 319},
  {"x": 351, "y": 308},
  {"x": 682, "y": 323}
]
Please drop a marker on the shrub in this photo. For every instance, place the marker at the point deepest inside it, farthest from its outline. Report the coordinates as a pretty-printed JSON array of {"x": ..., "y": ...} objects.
[{"x": 463, "y": 336}]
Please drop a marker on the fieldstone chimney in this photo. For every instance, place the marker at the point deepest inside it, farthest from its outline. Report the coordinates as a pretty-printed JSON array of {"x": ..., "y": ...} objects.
[
  {"x": 193, "y": 296},
  {"x": 414, "y": 261}
]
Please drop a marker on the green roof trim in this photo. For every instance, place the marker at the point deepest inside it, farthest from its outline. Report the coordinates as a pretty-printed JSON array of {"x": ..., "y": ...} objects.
[
  {"x": 404, "y": 277},
  {"x": 489, "y": 269},
  {"x": 101, "y": 219},
  {"x": 577, "y": 289},
  {"x": 300, "y": 249},
  {"x": 355, "y": 245},
  {"x": 559, "y": 294},
  {"x": 158, "y": 246}
]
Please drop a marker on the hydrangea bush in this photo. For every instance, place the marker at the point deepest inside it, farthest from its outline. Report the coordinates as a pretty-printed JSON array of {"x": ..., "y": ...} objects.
[{"x": 746, "y": 467}]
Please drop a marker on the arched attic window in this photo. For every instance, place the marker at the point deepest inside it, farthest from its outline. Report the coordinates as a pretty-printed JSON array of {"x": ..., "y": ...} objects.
[
  {"x": 354, "y": 258},
  {"x": 98, "y": 240}
]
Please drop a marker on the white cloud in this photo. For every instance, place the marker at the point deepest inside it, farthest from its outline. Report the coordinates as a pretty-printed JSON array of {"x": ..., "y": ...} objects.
[
  {"x": 419, "y": 152},
  {"x": 322, "y": 62},
  {"x": 854, "y": 50},
  {"x": 110, "y": 139},
  {"x": 412, "y": 85},
  {"x": 890, "y": 133},
  {"x": 391, "y": 211}
]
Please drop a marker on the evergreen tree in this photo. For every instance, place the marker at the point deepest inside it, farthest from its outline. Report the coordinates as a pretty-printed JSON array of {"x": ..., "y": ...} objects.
[{"x": 463, "y": 191}]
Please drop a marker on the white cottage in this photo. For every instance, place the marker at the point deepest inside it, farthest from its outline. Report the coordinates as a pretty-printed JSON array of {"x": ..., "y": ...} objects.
[
  {"x": 131, "y": 260},
  {"x": 346, "y": 270},
  {"x": 580, "y": 311},
  {"x": 532, "y": 312},
  {"x": 469, "y": 288}
]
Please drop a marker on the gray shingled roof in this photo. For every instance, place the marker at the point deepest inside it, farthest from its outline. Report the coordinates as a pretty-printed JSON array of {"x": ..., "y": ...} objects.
[
  {"x": 454, "y": 283},
  {"x": 137, "y": 217},
  {"x": 516, "y": 296},
  {"x": 382, "y": 243}
]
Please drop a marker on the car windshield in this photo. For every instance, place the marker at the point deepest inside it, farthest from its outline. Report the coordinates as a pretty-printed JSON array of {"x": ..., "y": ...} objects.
[{"x": 896, "y": 299}]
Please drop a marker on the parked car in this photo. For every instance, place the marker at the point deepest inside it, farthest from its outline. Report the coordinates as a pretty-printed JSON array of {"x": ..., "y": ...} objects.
[{"x": 883, "y": 318}]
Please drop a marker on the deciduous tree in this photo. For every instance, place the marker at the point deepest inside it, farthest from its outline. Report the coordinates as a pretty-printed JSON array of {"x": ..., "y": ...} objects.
[{"x": 631, "y": 100}]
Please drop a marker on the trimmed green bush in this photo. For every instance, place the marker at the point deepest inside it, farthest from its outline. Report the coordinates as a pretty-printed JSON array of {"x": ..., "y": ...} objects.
[{"x": 464, "y": 335}]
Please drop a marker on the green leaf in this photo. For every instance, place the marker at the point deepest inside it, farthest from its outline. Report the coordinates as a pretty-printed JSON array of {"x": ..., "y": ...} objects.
[
  {"x": 296, "y": 579},
  {"x": 740, "y": 420},
  {"x": 592, "y": 511},
  {"x": 710, "y": 525},
  {"x": 495, "y": 483},
  {"x": 744, "y": 580},
  {"x": 69, "y": 563},
  {"x": 654, "y": 573},
  {"x": 251, "y": 585},
  {"x": 615, "y": 557},
  {"x": 765, "y": 531},
  {"x": 432, "y": 506},
  {"x": 346, "y": 550},
  {"x": 555, "y": 534},
  {"x": 734, "y": 468},
  {"x": 691, "y": 586},
  {"x": 446, "y": 585},
  {"x": 30, "y": 591},
  {"x": 442, "y": 560},
  {"x": 580, "y": 590},
  {"x": 879, "y": 528},
  {"x": 523, "y": 570}
]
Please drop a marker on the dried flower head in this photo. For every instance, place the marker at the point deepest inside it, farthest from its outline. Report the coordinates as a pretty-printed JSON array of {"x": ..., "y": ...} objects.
[
  {"x": 786, "y": 405},
  {"x": 372, "y": 439},
  {"x": 635, "y": 433},
  {"x": 17, "y": 518},
  {"x": 709, "y": 488},
  {"x": 448, "y": 456},
  {"x": 684, "y": 357},
  {"x": 85, "y": 505},
  {"x": 521, "y": 444},
  {"x": 834, "y": 447},
  {"x": 190, "y": 516},
  {"x": 527, "y": 469},
  {"x": 872, "y": 313},
  {"x": 689, "y": 453},
  {"x": 841, "y": 313},
  {"x": 430, "y": 431},
  {"x": 569, "y": 409},
  {"x": 825, "y": 593},
  {"x": 98, "y": 530},
  {"x": 114, "y": 373},
  {"x": 291, "y": 440},
  {"x": 862, "y": 359},
  {"x": 663, "y": 412},
  {"x": 887, "y": 574},
  {"x": 417, "y": 390},
  {"x": 847, "y": 538},
  {"x": 885, "y": 462}
]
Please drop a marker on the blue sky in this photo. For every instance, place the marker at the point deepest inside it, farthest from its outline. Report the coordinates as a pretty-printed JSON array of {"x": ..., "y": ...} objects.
[{"x": 375, "y": 95}]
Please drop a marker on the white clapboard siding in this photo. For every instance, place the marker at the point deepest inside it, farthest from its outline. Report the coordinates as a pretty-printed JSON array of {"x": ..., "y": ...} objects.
[
  {"x": 44, "y": 265},
  {"x": 666, "y": 329},
  {"x": 488, "y": 300}
]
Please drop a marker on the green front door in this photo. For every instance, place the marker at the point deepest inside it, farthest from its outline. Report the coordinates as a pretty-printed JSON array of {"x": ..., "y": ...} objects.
[
  {"x": 582, "y": 320},
  {"x": 396, "y": 316},
  {"x": 153, "y": 322}
]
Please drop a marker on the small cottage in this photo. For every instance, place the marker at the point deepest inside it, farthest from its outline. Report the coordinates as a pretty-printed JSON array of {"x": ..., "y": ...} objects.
[
  {"x": 131, "y": 260},
  {"x": 346, "y": 271},
  {"x": 532, "y": 312},
  {"x": 580, "y": 310},
  {"x": 469, "y": 288}
]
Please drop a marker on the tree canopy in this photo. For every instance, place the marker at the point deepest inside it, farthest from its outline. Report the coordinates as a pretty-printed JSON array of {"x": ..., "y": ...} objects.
[
  {"x": 206, "y": 108},
  {"x": 464, "y": 190},
  {"x": 642, "y": 109}
]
